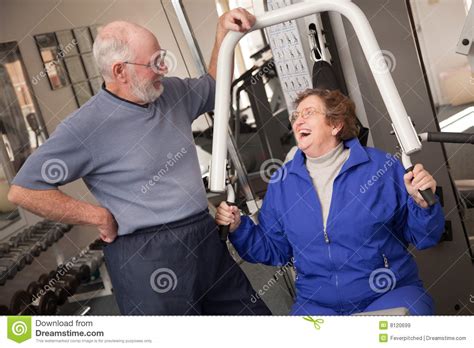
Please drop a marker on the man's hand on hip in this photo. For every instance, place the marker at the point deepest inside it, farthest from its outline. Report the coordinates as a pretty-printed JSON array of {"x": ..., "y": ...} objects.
[{"x": 108, "y": 227}]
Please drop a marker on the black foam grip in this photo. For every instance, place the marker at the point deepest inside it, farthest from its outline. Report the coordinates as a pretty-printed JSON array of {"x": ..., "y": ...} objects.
[
  {"x": 461, "y": 138},
  {"x": 224, "y": 229},
  {"x": 224, "y": 232},
  {"x": 427, "y": 194}
]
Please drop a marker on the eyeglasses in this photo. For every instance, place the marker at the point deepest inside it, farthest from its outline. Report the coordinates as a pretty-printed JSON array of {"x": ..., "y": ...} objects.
[
  {"x": 157, "y": 61},
  {"x": 305, "y": 113}
]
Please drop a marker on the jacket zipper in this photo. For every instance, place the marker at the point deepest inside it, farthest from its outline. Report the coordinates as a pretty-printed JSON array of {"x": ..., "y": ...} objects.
[
  {"x": 385, "y": 261},
  {"x": 326, "y": 238},
  {"x": 328, "y": 243}
]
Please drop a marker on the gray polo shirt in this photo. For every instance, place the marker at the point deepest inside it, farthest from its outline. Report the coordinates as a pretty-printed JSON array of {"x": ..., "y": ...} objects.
[{"x": 139, "y": 162}]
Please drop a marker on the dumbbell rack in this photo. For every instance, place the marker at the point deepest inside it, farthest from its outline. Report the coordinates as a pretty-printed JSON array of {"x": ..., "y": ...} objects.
[
  {"x": 72, "y": 244},
  {"x": 21, "y": 248}
]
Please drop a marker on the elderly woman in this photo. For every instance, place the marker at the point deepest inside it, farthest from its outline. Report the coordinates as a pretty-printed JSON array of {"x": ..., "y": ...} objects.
[{"x": 344, "y": 214}]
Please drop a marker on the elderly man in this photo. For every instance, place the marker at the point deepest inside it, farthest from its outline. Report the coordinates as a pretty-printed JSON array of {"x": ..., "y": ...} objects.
[{"x": 135, "y": 134}]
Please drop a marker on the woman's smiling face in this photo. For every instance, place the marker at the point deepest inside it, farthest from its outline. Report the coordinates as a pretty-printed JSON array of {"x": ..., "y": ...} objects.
[{"x": 314, "y": 135}]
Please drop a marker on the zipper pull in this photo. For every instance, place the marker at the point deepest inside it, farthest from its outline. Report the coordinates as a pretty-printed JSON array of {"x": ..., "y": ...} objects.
[
  {"x": 385, "y": 261},
  {"x": 326, "y": 238}
]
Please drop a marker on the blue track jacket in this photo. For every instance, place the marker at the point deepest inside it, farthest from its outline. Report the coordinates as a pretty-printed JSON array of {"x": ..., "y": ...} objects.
[{"x": 371, "y": 221}]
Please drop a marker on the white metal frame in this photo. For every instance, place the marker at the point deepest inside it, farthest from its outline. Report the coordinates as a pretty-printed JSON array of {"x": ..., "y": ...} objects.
[
  {"x": 465, "y": 45},
  {"x": 401, "y": 123}
]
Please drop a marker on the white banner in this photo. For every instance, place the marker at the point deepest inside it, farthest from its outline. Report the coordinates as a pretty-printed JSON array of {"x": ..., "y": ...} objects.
[{"x": 221, "y": 331}]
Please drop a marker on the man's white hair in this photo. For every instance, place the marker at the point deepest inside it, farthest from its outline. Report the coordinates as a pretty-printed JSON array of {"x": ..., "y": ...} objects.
[{"x": 109, "y": 47}]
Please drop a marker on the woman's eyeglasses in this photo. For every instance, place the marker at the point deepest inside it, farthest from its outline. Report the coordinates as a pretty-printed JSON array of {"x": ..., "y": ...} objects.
[{"x": 305, "y": 114}]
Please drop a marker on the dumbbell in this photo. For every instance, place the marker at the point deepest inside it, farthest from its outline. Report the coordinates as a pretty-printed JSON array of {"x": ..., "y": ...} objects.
[
  {"x": 61, "y": 224},
  {"x": 9, "y": 252},
  {"x": 20, "y": 302},
  {"x": 19, "y": 241},
  {"x": 47, "y": 304},
  {"x": 92, "y": 261},
  {"x": 82, "y": 272},
  {"x": 59, "y": 287},
  {"x": 43, "y": 242},
  {"x": 34, "y": 289},
  {"x": 61, "y": 295},
  {"x": 4, "y": 248},
  {"x": 4, "y": 310},
  {"x": 17, "y": 257},
  {"x": 35, "y": 248},
  {"x": 97, "y": 254},
  {"x": 3, "y": 275},
  {"x": 45, "y": 279},
  {"x": 67, "y": 282},
  {"x": 12, "y": 265},
  {"x": 35, "y": 234},
  {"x": 45, "y": 239},
  {"x": 55, "y": 231},
  {"x": 13, "y": 241},
  {"x": 46, "y": 223},
  {"x": 51, "y": 226},
  {"x": 24, "y": 251}
]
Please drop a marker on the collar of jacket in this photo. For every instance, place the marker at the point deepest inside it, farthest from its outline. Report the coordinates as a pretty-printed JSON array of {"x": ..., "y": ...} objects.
[{"x": 357, "y": 156}]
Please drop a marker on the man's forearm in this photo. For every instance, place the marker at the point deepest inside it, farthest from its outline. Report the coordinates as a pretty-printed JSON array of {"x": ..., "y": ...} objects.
[
  {"x": 212, "y": 70},
  {"x": 56, "y": 206}
]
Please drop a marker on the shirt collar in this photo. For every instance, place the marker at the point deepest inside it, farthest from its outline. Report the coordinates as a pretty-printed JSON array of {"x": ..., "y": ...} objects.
[
  {"x": 145, "y": 106},
  {"x": 358, "y": 155}
]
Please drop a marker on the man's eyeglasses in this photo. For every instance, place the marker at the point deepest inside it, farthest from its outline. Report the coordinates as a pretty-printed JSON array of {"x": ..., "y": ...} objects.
[
  {"x": 305, "y": 113},
  {"x": 157, "y": 61}
]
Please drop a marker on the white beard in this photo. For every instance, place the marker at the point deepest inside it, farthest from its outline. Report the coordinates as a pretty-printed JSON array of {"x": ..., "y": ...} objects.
[{"x": 145, "y": 91}]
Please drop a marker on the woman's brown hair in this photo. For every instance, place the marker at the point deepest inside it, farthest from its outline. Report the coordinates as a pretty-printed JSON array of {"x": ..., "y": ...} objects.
[{"x": 339, "y": 109}]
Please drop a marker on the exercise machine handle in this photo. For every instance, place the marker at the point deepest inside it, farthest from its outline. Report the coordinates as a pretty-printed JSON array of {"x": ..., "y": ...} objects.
[
  {"x": 427, "y": 194},
  {"x": 446, "y": 137}
]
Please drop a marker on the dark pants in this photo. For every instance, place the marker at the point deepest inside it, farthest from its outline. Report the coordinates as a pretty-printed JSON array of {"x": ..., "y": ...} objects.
[{"x": 180, "y": 268}]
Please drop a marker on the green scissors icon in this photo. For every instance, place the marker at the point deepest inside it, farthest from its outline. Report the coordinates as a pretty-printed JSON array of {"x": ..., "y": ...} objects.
[{"x": 316, "y": 322}]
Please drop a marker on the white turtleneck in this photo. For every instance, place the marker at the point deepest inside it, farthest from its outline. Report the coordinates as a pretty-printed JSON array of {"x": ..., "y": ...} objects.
[{"x": 323, "y": 170}]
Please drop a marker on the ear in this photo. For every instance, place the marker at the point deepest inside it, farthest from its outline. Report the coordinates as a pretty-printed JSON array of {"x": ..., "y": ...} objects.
[
  {"x": 119, "y": 72},
  {"x": 337, "y": 128}
]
